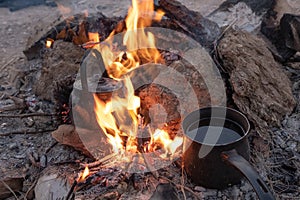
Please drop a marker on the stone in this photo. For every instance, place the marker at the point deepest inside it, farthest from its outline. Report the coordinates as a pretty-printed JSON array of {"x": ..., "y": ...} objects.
[
  {"x": 12, "y": 146},
  {"x": 52, "y": 185},
  {"x": 261, "y": 89},
  {"x": 199, "y": 189}
]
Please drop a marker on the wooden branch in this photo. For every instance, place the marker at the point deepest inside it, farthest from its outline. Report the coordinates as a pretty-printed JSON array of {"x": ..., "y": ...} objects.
[
  {"x": 98, "y": 162},
  {"x": 8, "y": 63}
]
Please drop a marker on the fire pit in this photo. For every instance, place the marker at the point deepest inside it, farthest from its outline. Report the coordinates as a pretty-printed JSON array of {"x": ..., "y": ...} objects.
[{"x": 117, "y": 90}]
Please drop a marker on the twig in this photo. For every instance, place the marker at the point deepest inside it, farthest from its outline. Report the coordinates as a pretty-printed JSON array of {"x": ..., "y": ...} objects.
[
  {"x": 99, "y": 162},
  {"x": 89, "y": 44},
  {"x": 49, "y": 148},
  {"x": 182, "y": 186},
  {"x": 26, "y": 132},
  {"x": 27, "y": 115},
  {"x": 6, "y": 64},
  {"x": 31, "y": 187},
  {"x": 32, "y": 160},
  {"x": 7, "y": 186},
  {"x": 182, "y": 183},
  {"x": 11, "y": 107}
]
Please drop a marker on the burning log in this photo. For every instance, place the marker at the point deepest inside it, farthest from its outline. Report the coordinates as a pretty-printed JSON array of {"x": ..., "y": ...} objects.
[{"x": 201, "y": 29}]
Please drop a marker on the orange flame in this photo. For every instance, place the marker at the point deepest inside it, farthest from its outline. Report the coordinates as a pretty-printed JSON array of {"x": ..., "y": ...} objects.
[
  {"x": 118, "y": 118},
  {"x": 140, "y": 15},
  {"x": 49, "y": 42},
  {"x": 84, "y": 174},
  {"x": 170, "y": 146},
  {"x": 124, "y": 122}
]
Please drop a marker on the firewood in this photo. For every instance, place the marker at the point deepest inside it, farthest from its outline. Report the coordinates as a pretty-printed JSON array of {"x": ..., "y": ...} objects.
[{"x": 200, "y": 28}]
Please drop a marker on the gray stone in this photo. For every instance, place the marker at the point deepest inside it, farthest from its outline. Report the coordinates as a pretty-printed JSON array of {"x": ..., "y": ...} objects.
[
  {"x": 210, "y": 192},
  {"x": 199, "y": 189},
  {"x": 12, "y": 146}
]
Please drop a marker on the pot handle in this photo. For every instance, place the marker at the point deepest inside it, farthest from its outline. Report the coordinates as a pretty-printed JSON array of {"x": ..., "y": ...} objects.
[{"x": 240, "y": 163}]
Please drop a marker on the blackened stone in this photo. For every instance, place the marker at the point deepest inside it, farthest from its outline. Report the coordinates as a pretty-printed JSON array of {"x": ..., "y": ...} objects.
[
  {"x": 290, "y": 30},
  {"x": 275, "y": 33}
]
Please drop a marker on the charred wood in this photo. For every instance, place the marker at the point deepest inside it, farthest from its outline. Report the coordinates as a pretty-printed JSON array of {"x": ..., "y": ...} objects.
[{"x": 201, "y": 29}]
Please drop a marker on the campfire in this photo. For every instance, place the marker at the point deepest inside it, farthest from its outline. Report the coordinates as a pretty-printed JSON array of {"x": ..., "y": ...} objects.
[
  {"x": 119, "y": 118},
  {"x": 126, "y": 94}
]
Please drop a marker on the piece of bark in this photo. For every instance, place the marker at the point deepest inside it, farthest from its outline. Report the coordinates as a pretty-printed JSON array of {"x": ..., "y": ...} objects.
[
  {"x": 14, "y": 183},
  {"x": 91, "y": 142},
  {"x": 67, "y": 135},
  {"x": 261, "y": 89},
  {"x": 200, "y": 28}
]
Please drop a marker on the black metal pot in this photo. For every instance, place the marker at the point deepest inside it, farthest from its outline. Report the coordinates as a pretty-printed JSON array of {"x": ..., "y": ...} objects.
[{"x": 216, "y": 150}]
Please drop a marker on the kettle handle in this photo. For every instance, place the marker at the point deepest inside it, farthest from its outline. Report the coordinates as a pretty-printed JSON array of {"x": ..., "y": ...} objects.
[
  {"x": 234, "y": 159},
  {"x": 83, "y": 67}
]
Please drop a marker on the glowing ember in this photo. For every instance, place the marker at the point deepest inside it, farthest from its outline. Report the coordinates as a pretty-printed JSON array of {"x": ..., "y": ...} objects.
[
  {"x": 119, "y": 118},
  {"x": 49, "y": 42}
]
